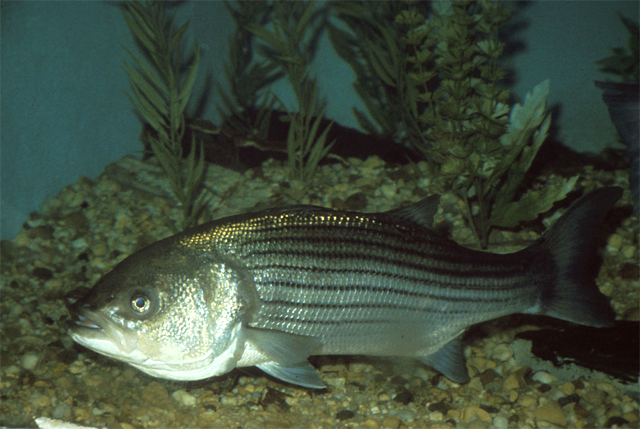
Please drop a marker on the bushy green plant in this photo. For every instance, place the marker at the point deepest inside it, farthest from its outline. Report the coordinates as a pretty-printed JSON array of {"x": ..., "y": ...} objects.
[
  {"x": 443, "y": 74},
  {"x": 161, "y": 87},
  {"x": 291, "y": 45}
]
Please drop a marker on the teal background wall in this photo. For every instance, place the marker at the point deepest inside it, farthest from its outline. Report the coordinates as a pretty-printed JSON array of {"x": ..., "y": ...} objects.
[{"x": 64, "y": 113}]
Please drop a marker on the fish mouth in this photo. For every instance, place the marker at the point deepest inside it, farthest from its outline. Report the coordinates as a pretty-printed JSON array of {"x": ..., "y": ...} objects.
[{"x": 97, "y": 332}]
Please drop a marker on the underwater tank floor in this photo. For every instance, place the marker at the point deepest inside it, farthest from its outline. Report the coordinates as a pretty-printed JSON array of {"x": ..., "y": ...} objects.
[{"x": 90, "y": 226}]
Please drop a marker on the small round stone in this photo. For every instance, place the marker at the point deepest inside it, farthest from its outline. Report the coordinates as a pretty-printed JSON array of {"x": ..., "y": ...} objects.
[
  {"x": 544, "y": 377},
  {"x": 184, "y": 398},
  {"x": 29, "y": 361}
]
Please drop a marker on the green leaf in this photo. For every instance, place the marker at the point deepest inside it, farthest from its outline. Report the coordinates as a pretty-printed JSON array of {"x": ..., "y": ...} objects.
[
  {"x": 379, "y": 64},
  {"x": 303, "y": 21},
  {"x": 147, "y": 89},
  {"x": 174, "y": 41},
  {"x": 135, "y": 19},
  {"x": 146, "y": 109},
  {"x": 272, "y": 39},
  {"x": 149, "y": 74},
  {"x": 190, "y": 78},
  {"x": 531, "y": 204}
]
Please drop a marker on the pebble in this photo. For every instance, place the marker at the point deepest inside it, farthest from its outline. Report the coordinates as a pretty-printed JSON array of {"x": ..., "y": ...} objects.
[
  {"x": 41, "y": 401},
  {"x": 82, "y": 414},
  {"x": 371, "y": 424},
  {"x": 526, "y": 400},
  {"x": 551, "y": 413},
  {"x": 29, "y": 361},
  {"x": 475, "y": 412},
  {"x": 476, "y": 384},
  {"x": 345, "y": 415},
  {"x": 61, "y": 411},
  {"x": 568, "y": 388},
  {"x": 500, "y": 422},
  {"x": 436, "y": 416},
  {"x": 229, "y": 399},
  {"x": 481, "y": 363},
  {"x": 544, "y": 377},
  {"x": 100, "y": 248},
  {"x": 388, "y": 190},
  {"x": 184, "y": 398},
  {"x": 502, "y": 352},
  {"x": 391, "y": 423},
  {"x": 513, "y": 381},
  {"x": 614, "y": 243},
  {"x": 628, "y": 251},
  {"x": 154, "y": 392}
]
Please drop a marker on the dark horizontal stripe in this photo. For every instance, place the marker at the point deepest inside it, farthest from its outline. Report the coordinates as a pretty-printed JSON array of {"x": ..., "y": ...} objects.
[
  {"x": 378, "y": 290},
  {"x": 447, "y": 256},
  {"x": 442, "y": 278},
  {"x": 278, "y": 302},
  {"x": 293, "y": 320}
]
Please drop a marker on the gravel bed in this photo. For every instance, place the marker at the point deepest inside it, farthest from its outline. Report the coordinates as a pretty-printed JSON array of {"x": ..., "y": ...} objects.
[{"x": 90, "y": 226}]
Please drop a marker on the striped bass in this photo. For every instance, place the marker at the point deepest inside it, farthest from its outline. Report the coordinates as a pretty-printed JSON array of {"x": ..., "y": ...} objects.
[{"x": 274, "y": 287}]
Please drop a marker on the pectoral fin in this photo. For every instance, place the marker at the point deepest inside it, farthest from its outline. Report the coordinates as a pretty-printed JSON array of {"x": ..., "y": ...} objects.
[
  {"x": 281, "y": 347},
  {"x": 450, "y": 361},
  {"x": 287, "y": 356},
  {"x": 303, "y": 374}
]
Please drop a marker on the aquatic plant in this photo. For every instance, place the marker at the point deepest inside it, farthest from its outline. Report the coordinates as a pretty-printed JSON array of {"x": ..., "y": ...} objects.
[
  {"x": 443, "y": 74},
  {"x": 290, "y": 46},
  {"x": 248, "y": 78},
  {"x": 622, "y": 63},
  {"x": 161, "y": 86},
  {"x": 370, "y": 45}
]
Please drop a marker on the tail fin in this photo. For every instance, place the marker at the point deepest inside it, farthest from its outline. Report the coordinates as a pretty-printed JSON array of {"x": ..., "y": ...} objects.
[{"x": 574, "y": 295}]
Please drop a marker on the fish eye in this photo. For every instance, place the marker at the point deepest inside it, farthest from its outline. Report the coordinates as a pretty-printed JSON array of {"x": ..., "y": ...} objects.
[{"x": 140, "y": 303}]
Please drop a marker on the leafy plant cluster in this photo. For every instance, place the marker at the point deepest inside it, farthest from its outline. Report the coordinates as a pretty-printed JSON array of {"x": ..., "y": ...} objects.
[
  {"x": 434, "y": 84},
  {"x": 161, "y": 86}
]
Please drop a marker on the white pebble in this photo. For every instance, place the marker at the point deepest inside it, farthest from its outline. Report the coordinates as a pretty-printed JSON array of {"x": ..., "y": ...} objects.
[
  {"x": 185, "y": 398},
  {"x": 29, "y": 361},
  {"x": 502, "y": 352},
  {"x": 229, "y": 400},
  {"x": 500, "y": 422},
  {"x": 544, "y": 377}
]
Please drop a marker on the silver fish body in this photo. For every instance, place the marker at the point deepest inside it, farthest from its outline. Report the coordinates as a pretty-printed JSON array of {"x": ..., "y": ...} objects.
[{"x": 272, "y": 288}]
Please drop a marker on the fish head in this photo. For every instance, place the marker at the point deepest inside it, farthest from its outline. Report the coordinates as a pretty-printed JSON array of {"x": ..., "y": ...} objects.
[{"x": 167, "y": 311}]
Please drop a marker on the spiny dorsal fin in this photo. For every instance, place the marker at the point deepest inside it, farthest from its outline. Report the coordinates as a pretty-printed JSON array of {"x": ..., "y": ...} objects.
[{"x": 420, "y": 213}]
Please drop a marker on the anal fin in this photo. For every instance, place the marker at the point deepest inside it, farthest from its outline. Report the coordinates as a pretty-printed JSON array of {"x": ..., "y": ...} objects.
[
  {"x": 450, "y": 361},
  {"x": 303, "y": 374}
]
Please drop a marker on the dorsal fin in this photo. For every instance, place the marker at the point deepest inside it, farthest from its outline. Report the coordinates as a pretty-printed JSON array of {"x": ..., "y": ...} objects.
[{"x": 420, "y": 213}]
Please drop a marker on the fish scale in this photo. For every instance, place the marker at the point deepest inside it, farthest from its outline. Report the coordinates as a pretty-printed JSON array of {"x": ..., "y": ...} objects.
[{"x": 272, "y": 288}]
